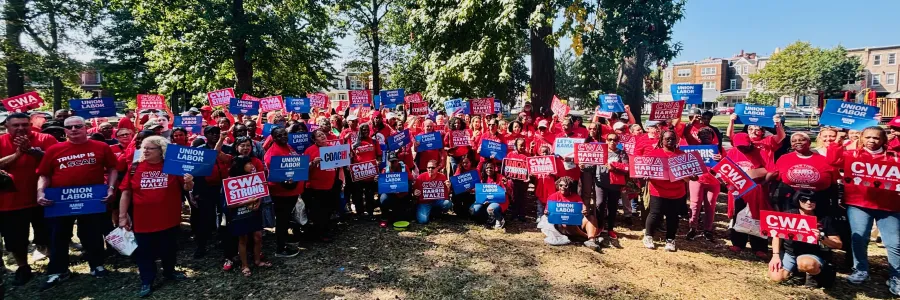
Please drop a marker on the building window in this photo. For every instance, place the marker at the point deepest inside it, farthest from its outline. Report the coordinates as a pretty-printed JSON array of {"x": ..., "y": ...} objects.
[
  {"x": 749, "y": 85},
  {"x": 733, "y": 84},
  {"x": 892, "y": 58},
  {"x": 876, "y": 79},
  {"x": 668, "y": 74},
  {"x": 737, "y": 70},
  {"x": 876, "y": 60},
  {"x": 684, "y": 72},
  {"x": 709, "y": 85},
  {"x": 746, "y": 69},
  {"x": 708, "y": 71},
  {"x": 891, "y": 78}
]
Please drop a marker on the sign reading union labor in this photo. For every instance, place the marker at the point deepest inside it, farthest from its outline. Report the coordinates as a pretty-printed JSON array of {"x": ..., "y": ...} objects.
[
  {"x": 182, "y": 160},
  {"x": 75, "y": 200},
  {"x": 244, "y": 188},
  {"x": 848, "y": 115}
]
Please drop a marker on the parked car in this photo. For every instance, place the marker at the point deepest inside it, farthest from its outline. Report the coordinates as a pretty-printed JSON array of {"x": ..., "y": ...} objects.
[{"x": 724, "y": 110}]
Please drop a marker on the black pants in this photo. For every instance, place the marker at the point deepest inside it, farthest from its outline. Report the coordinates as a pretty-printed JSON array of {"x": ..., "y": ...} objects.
[
  {"x": 39, "y": 225},
  {"x": 161, "y": 244},
  {"x": 608, "y": 205},
  {"x": 520, "y": 194},
  {"x": 205, "y": 214},
  {"x": 363, "y": 195},
  {"x": 461, "y": 203},
  {"x": 660, "y": 207},
  {"x": 90, "y": 233},
  {"x": 284, "y": 206},
  {"x": 318, "y": 210},
  {"x": 740, "y": 239}
]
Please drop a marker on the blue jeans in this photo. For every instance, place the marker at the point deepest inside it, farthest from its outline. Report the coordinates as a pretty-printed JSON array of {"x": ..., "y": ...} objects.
[
  {"x": 423, "y": 210},
  {"x": 789, "y": 262},
  {"x": 861, "y": 220},
  {"x": 492, "y": 210},
  {"x": 91, "y": 229},
  {"x": 454, "y": 161}
]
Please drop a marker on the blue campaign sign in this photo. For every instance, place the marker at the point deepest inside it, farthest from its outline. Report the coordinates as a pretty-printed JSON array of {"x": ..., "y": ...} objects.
[
  {"x": 464, "y": 182},
  {"x": 389, "y": 183},
  {"x": 193, "y": 124},
  {"x": 706, "y": 152},
  {"x": 497, "y": 106},
  {"x": 565, "y": 213},
  {"x": 690, "y": 93},
  {"x": 429, "y": 141},
  {"x": 93, "y": 108},
  {"x": 455, "y": 106},
  {"x": 75, "y": 200},
  {"x": 611, "y": 103},
  {"x": 294, "y": 167},
  {"x": 391, "y": 98},
  {"x": 398, "y": 140},
  {"x": 376, "y": 101},
  {"x": 489, "y": 192},
  {"x": 755, "y": 114},
  {"x": 848, "y": 115},
  {"x": 243, "y": 107},
  {"x": 182, "y": 160},
  {"x": 299, "y": 141},
  {"x": 298, "y": 105},
  {"x": 493, "y": 148},
  {"x": 267, "y": 129}
]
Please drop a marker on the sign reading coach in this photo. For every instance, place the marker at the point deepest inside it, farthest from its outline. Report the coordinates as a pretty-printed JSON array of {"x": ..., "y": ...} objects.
[{"x": 334, "y": 156}]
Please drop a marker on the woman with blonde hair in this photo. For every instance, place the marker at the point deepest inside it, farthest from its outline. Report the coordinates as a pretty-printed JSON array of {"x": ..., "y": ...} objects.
[{"x": 827, "y": 136}]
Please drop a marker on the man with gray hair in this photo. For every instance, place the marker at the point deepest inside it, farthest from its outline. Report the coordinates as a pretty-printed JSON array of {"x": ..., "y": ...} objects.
[{"x": 78, "y": 162}]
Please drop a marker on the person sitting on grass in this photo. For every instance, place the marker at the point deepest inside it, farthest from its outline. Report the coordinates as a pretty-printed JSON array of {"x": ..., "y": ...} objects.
[
  {"x": 589, "y": 231},
  {"x": 435, "y": 180},
  {"x": 491, "y": 212},
  {"x": 789, "y": 256},
  {"x": 394, "y": 205}
]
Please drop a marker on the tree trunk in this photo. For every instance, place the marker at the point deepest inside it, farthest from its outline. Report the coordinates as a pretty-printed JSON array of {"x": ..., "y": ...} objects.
[
  {"x": 243, "y": 69},
  {"x": 57, "y": 93},
  {"x": 543, "y": 75},
  {"x": 632, "y": 84},
  {"x": 376, "y": 44},
  {"x": 12, "y": 46},
  {"x": 55, "y": 60}
]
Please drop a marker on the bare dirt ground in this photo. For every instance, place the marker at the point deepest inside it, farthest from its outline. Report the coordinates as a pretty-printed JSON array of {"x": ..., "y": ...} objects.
[{"x": 454, "y": 259}]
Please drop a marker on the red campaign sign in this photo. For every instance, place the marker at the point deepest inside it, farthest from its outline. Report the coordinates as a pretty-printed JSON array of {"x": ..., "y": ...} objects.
[
  {"x": 602, "y": 114},
  {"x": 360, "y": 97},
  {"x": 868, "y": 172},
  {"x": 413, "y": 98},
  {"x": 23, "y": 102},
  {"x": 151, "y": 102},
  {"x": 627, "y": 142},
  {"x": 221, "y": 97},
  {"x": 686, "y": 165},
  {"x": 318, "y": 100},
  {"x": 460, "y": 138},
  {"x": 271, "y": 103},
  {"x": 363, "y": 170},
  {"x": 434, "y": 190},
  {"x": 248, "y": 97},
  {"x": 418, "y": 108},
  {"x": 650, "y": 167},
  {"x": 737, "y": 181},
  {"x": 515, "y": 169},
  {"x": 590, "y": 153},
  {"x": 794, "y": 227},
  {"x": 481, "y": 106},
  {"x": 662, "y": 111},
  {"x": 558, "y": 107},
  {"x": 542, "y": 165},
  {"x": 241, "y": 189}
]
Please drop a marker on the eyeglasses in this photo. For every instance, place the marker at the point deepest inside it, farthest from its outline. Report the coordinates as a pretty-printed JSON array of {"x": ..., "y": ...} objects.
[
  {"x": 430, "y": 168},
  {"x": 151, "y": 148},
  {"x": 611, "y": 140},
  {"x": 73, "y": 127}
]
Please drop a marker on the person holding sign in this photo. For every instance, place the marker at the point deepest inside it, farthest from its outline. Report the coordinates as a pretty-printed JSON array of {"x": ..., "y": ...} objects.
[
  {"x": 284, "y": 194},
  {"x": 804, "y": 170},
  {"x": 608, "y": 187},
  {"x": 493, "y": 134},
  {"x": 545, "y": 185},
  {"x": 760, "y": 168},
  {"x": 589, "y": 230},
  {"x": 154, "y": 200},
  {"x": 76, "y": 163},
  {"x": 519, "y": 186},
  {"x": 393, "y": 204},
  {"x": 362, "y": 192},
  {"x": 704, "y": 191},
  {"x": 245, "y": 219},
  {"x": 462, "y": 201},
  {"x": 317, "y": 195},
  {"x": 425, "y": 156},
  {"x": 491, "y": 212},
  {"x": 790, "y": 256},
  {"x": 666, "y": 197},
  {"x": 432, "y": 188},
  {"x": 766, "y": 144},
  {"x": 456, "y": 142}
]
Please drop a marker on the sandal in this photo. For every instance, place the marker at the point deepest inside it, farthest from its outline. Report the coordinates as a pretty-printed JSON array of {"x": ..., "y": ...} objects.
[
  {"x": 263, "y": 264},
  {"x": 247, "y": 272}
]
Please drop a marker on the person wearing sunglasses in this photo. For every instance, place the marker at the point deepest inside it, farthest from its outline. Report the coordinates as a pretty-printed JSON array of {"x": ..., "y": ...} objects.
[
  {"x": 432, "y": 189},
  {"x": 812, "y": 259},
  {"x": 754, "y": 162},
  {"x": 76, "y": 163},
  {"x": 610, "y": 181},
  {"x": 492, "y": 134}
]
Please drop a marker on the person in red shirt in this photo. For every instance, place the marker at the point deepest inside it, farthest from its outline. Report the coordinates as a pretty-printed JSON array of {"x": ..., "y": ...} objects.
[
  {"x": 126, "y": 122},
  {"x": 647, "y": 142},
  {"x": 704, "y": 191},
  {"x": 245, "y": 219},
  {"x": 515, "y": 132},
  {"x": 154, "y": 199},
  {"x": 456, "y": 153},
  {"x": 392, "y": 204},
  {"x": 804, "y": 169},
  {"x": 350, "y": 134},
  {"x": 284, "y": 194},
  {"x": 691, "y": 131},
  {"x": 491, "y": 212},
  {"x": 767, "y": 145},
  {"x": 752, "y": 160},
  {"x": 519, "y": 187},
  {"x": 362, "y": 192},
  {"x": 493, "y": 134},
  {"x": 589, "y": 229},
  {"x": 77, "y": 162},
  {"x": 423, "y": 157},
  {"x": 433, "y": 185},
  {"x": 124, "y": 136},
  {"x": 893, "y": 143},
  {"x": 21, "y": 151},
  {"x": 318, "y": 187},
  {"x": 666, "y": 197}
]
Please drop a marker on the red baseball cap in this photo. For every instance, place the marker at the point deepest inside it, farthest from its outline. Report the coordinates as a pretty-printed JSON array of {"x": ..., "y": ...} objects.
[
  {"x": 740, "y": 139},
  {"x": 895, "y": 122},
  {"x": 206, "y": 108},
  {"x": 376, "y": 114}
]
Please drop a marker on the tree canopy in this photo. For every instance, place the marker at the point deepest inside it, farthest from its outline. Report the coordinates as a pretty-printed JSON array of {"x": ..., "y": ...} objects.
[{"x": 801, "y": 69}]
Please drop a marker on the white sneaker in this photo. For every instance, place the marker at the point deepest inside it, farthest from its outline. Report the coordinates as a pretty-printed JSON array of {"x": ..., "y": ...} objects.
[
  {"x": 648, "y": 242},
  {"x": 670, "y": 245},
  {"x": 37, "y": 255},
  {"x": 894, "y": 285},
  {"x": 858, "y": 277}
]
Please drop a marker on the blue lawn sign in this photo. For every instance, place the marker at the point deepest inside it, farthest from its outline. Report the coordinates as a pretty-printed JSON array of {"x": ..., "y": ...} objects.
[
  {"x": 497, "y": 106},
  {"x": 755, "y": 114},
  {"x": 455, "y": 106},
  {"x": 848, "y": 115},
  {"x": 182, "y": 160},
  {"x": 429, "y": 141},
  {"x": 690, "y": 93},
  {"x": 464, "y": 182},
  {"x": 397, "y": 182},
  {"x": 267, "y": 129},
  {"x": 392, "y": 98},
  {"x": 376, "y": 101},
  {"x": 193, "y": 124},
  {"x": 298, "y": 105},
  {"x": 611, "y": 103},
  {"x": 75, "y": 200},
  {"x": 564, "y": 213},
  {"x": 398, "y": 140},
  {"x": 299, "y": 141},
  {"x": 93, "y": 108},
  {"x": 493, "y": 148},
  {"x": 243, "y": 107},
  {"x": 294, "y": 167},
  {"x": 706, "y": 152},
  {"x": 489, "y": 192}
]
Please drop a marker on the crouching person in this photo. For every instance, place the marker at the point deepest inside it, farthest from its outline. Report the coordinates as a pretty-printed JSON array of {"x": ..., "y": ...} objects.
[
  {"x": 790, "y": 257},
  {"x": 588, "y": 231}
]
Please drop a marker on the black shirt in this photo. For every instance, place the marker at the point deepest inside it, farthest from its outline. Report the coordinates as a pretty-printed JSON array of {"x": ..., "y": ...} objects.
[{"x": 796, "y": 248}]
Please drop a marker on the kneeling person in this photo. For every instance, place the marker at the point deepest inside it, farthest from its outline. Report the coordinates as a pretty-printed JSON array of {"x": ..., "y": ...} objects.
[
  {"x": 589, "y": 231},
  {"x": 789, "y": 256}
]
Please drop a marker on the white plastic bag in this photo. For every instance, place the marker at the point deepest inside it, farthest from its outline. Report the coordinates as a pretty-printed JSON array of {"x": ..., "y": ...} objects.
[
  {"x": 744, "y": 223},
  {"x": 122, "y": 240},
  {"x": 300, "y": 212},
  {"x": 554, "y": 237}
]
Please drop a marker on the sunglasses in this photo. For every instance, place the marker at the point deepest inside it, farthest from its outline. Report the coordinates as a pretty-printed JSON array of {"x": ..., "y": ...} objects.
[
  {"x": 73, "y": 127},
  {"x": 805, "y": 200},
  {"x": 430, "y": 168},
  {"x": 611, "y": 140}
]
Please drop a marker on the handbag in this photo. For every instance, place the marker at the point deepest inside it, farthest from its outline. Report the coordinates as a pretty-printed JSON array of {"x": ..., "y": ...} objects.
[
  {"x": 299, "y": 212},
  {"x": 744, "y": 223}
]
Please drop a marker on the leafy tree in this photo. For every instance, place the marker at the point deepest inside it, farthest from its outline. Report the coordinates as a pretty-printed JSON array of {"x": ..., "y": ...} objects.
[
  {"x": 567, "y": 83},
  {"x": 760, "y": 97},
  {"x": 365, "y": 17},
  {"x": 834, "y": 68},
  {"x": 121, "y": 46},
  {"x": 13, "y": 52},
  {"x": 801, "y": 69}
]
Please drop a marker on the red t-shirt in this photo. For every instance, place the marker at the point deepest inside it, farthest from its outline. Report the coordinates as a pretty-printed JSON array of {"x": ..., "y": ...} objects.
[
  {"x": 155, "y": 197},
  {"x": 812, "y": 172},
  {"x": 367, "y": 150},
  {"x": 118, "y": 149},
  {"x": 22, "y": 171},
  {"x": 275, "y": 188},
  {"x": 644, "y": 144},
  {"x": 558, "y": 197},
  {"x": 665, "y": 188},
  {"x": 318, "y": 179},
  {"x": 70, "y": 164},
  {"x": 691, "y": 138},
  {"x": 456, "y": 151},
  {"x": 758, "y": 198},
  {"x": 425, "y": 176},
  {"x": 425, "y": 156},
  {"x": 767, "y": 147},
  {"x": 349, "y": 136},
  {"x": 126, "y": 123}
]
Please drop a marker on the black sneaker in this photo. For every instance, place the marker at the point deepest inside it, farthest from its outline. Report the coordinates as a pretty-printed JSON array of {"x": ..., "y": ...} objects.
[
  {"x": 825, "y": 278},
  {"x": 708, "y": 235},
  {"x": 99, "y": 272},
  {"x": 54, "y": 280},
  {"x": 692, "y": 233},
  {"x": 146, "y": 291},
  {"x": 811, "y": 282},
  {"x": 287, "y": 252},
  {"x": 23, "y": 276},
  {"x": 176, "y": 276}
]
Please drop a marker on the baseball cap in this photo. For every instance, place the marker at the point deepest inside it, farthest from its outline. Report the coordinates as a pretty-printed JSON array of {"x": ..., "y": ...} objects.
[
  {"x": 740, "y": 139},
  {"x": 376, "y": 114},
  {"x": 152, "y": 124},
  {"x": 542, "y": 123},
  {"x": 696, "y": 112},
  {"x": 351, "y": 118},
  {"x": 390, "y": 115},
  {"x": 651, "y": 123},
  {"x": 206, "y": 108},
  {"x": 193, "y": 109},
  {"x": 895, "y": 122},
  {"x": 619, "y": 126}
]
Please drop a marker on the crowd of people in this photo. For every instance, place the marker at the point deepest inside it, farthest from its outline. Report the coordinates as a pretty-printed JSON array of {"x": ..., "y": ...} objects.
[{"x": 793, "y": 176}]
